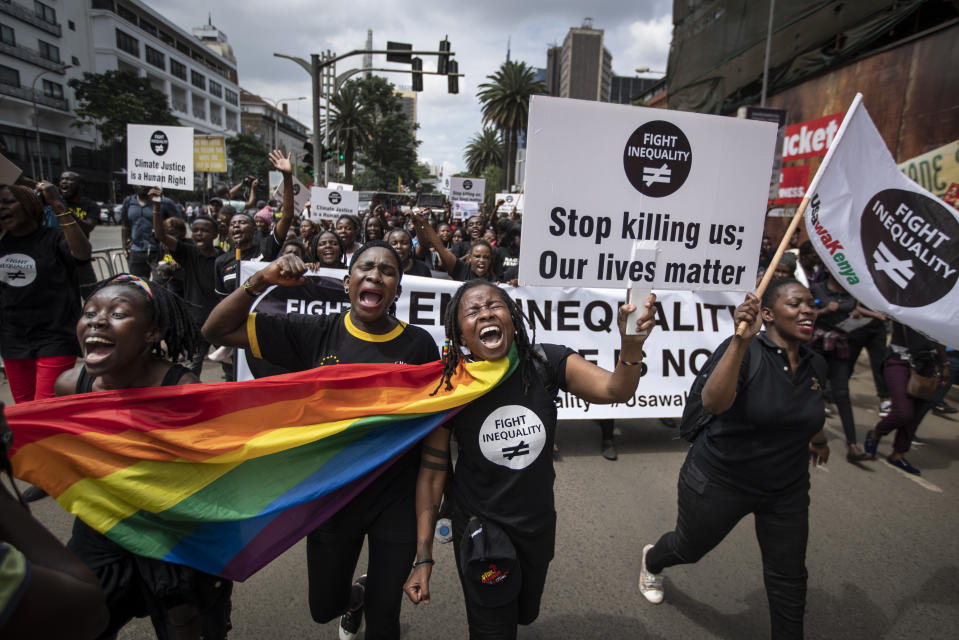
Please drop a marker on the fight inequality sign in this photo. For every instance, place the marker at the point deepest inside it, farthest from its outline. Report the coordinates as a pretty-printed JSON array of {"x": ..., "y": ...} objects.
[
  {"x": 330, "y": 204},
  {"x": 890, "y": 243},
  {"x": 301, "y": 195},
  {"x": 160, "y": 156},
  {"x": 467, "y": 189},
  {"x": 689, "y": 327},
  {"x": 511, "y": 202},
  {"x": 675, "y": 200}
]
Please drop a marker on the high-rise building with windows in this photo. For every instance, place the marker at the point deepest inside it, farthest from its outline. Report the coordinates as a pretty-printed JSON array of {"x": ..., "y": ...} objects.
[{"x": 582, "y": 67}]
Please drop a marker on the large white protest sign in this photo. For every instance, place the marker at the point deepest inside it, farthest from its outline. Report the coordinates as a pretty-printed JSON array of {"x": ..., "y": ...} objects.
[
  {"x": 160, "y": 156},
  {"x": 600, "y": 177},
  {"x": 510, "y": 201},
  {"x": 689, "y": 328},
  {"x": 340, "y": 186},
  {"x": 301, "y": 195},
  {"x": 463, "y": 210},
  {"x": 467, "y": 189},
  {"x": 330, "y": 204},
  {"x": 890, "y": 243}
]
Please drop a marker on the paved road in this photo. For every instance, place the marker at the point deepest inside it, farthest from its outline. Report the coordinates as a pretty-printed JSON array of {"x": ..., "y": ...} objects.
[{"x": 883, "y": 554}]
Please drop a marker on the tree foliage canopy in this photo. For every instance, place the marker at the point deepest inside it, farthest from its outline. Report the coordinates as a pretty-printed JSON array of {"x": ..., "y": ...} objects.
[
  {"x": 110, "y": 101},
  {"x": 484, "y": 149},
  {"x": 249, "y": 157},
  {"x": 389, "y": 155}
]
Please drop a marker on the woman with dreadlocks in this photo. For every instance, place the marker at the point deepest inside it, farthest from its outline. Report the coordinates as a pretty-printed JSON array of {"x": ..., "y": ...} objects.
[
  {"x": 122, "y": 331},
  {"x": 504, "y": 523},
  {"x": 383, "y": 512}
]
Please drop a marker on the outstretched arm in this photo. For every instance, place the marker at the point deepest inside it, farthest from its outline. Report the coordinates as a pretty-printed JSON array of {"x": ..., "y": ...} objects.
[
  {"x": 284, "y": 166},
  {"x": 427, "y": 234},
  {"x": 719, "y": 392}
]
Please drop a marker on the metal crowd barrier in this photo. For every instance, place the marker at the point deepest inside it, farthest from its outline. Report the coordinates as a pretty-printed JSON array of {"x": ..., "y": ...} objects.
[{"x": 109, "y": 262}]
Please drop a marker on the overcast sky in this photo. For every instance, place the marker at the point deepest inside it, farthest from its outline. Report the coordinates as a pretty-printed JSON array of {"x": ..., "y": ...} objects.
[{"x": 637, "y": 34}]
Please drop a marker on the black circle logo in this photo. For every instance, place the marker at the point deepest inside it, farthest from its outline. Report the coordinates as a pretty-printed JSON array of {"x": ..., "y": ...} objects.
[
  {"x": 911, "y": 246},
  {"x": 159, "y": 143},
  {"x": 296, "y": 189},
  {"x": 335, "y": 197},
  {"x": 467, "y": 184},
  {"x": 509, "y": 198},
  {"x": 657, "y": 158}
]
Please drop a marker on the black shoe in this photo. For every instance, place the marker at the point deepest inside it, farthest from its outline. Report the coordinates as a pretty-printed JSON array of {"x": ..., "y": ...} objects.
[
  {"x": 609, "y": 450},
  {"x": 942, "y": 409},
  {"x": 351, "y": 620},
  {"x": 32, "y": 494}
]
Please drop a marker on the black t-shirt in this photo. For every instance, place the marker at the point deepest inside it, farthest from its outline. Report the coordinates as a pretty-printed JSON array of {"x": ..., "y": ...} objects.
[
  {"x": 199, "y": 278},
  {"x": 761, "y": 443},
  {"x": 39, "y": 299},
  {"x": 506, "y": 261},
  {"x": 226, "y": 268},
  {"x": 460, "y": 249},
  {"x": 84, "y": 209},
  {"x": 298, "y": 342},
  {"x": 825, "y": 295},
  {"x": 463, "y": 272},
  {"x": 504, "y": 470},
  {"x": 419, "y": 268},
  {"x": 270, "y": 245}
]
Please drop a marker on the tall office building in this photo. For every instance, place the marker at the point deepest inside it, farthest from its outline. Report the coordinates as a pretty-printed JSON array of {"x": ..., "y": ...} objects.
[
  {"x": 586, "y": 66},
  {"x": 407, "y": 98},
  {"x": 626, "y": 89}
]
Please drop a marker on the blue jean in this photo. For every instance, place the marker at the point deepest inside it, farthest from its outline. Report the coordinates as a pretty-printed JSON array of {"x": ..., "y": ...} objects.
[{"x": 708, "y": 511}]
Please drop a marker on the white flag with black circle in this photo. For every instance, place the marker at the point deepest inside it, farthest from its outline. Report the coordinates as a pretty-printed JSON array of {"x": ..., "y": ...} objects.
[{"x": 893, "y": 245}]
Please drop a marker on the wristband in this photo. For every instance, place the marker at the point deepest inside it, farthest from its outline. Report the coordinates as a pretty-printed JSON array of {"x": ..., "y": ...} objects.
[
  {"x": 628, "y": 363},
  {"x": 819, "y": 444},
  {"x": 248, "y": 288},
  {"x": 422, "y": 562}
]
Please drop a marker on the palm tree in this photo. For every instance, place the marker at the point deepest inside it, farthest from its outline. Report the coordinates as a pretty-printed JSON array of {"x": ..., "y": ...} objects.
[
  {"x": 505, "y": 105},
  {"x": 351, "y": 124},
  {"x": 484, "y": 149}
]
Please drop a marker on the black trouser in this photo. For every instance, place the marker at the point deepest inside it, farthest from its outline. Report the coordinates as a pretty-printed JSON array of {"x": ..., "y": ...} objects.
[
  {"x": 606, "y": 428},
  {"x": 839, "y": 371},
  {"x": 534, "y": 553},
  {"x": 333, "y": 549},
  {"x": 141, "y": 263},
  {"x": 708, "y": 511},
  {"x": 872, "y": 337}
]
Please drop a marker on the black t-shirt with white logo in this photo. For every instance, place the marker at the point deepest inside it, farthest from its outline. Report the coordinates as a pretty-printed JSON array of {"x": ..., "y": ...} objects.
[
  {"x": 226, "y": 269},
  {"x": 39, "y": 299},
  {"x": 504, "y": 470},
  {"x": 298, "y": 342}
]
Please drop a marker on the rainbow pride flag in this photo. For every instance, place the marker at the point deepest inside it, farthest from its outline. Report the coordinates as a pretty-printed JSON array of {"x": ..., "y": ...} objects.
[{"x": 225, "y": 477}]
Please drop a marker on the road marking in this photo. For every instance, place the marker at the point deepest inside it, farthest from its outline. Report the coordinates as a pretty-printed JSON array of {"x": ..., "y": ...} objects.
[{"x": 922, "y": 482}]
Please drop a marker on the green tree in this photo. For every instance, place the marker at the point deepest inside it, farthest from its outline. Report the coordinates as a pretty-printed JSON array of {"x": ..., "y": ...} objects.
[
  {"x": 505, "y": 105},
  {"x": 248, "y": 157},
  {"x": 110, "y": 101},
  {"x": 484, "y": 149},
  {"x": 351, "y": 125},
  {"x": 390, "y": 153}
]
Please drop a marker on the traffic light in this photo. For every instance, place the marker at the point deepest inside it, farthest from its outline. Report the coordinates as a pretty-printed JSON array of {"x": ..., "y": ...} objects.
[
  {"x": 453, "y": 80},
  {"x": 442, "y": 61},
  {"x": 417, "y": 74},
  {"x": 329, "y": 154}
]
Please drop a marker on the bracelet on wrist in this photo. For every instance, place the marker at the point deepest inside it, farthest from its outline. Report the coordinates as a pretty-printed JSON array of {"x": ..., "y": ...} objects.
[
  {"x": 422, "y": 562},
  {"x": 819, "y": 444},
  {"x": 630, "y": 363},
  {"x": 250, "y": 291}
]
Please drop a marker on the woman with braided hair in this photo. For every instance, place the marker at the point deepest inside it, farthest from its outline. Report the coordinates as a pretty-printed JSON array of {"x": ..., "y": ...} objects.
[
  {"x": 504, "y": 523},
  {"x": 131, "y": 334}
]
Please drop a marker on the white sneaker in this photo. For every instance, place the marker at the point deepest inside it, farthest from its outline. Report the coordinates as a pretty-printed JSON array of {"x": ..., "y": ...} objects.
[
  {"x": 884, "y": 408},
  {"x": 650, "y": 584}
]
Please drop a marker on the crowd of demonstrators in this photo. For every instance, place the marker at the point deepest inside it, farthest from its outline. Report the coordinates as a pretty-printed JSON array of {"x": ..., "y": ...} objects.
[
  {"x": 131, "y": 334},
  {"x": 39, "y": 289}
]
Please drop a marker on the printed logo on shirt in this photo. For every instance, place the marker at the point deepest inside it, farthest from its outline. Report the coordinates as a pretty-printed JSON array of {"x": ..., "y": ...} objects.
[
  {"x": 18, "y": 270},
  {"x": 815, "y": 384},
  {"x": 512, "y": 436}
]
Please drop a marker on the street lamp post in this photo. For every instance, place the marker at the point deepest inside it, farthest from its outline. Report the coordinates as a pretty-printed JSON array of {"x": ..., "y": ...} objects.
[
  {"x": 648, "y": 70},
  {"x": 38, "y": 169},
  {"x": 276, "y": 119}
]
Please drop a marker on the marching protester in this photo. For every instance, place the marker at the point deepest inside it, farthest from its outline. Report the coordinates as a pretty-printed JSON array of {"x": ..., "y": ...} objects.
[
  {"x": 504, "y": 521},
  {"x": 383, "y": 512},
  {"x": 140, "y": 247},
  {"x": 196, "y": 260},
  {"x": 84, "y": 210},
  {"x": 908, "y": 351},
  {"x": 764, "y": 391},
  {"x": 479, "y": 261},
  {"x": 45, "y": 591},
  {"x": 131, "y": 334},
  {"x": 402, "y": 242},
  {"x": 348, "y": 228},
  {"x": 39, "y": 296},
  {"x": 832, "y": 341},
  {"x": 328, "y": 250},
  {"x": 373, "y": 225},
  {"x": 308, "y": 230}
]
